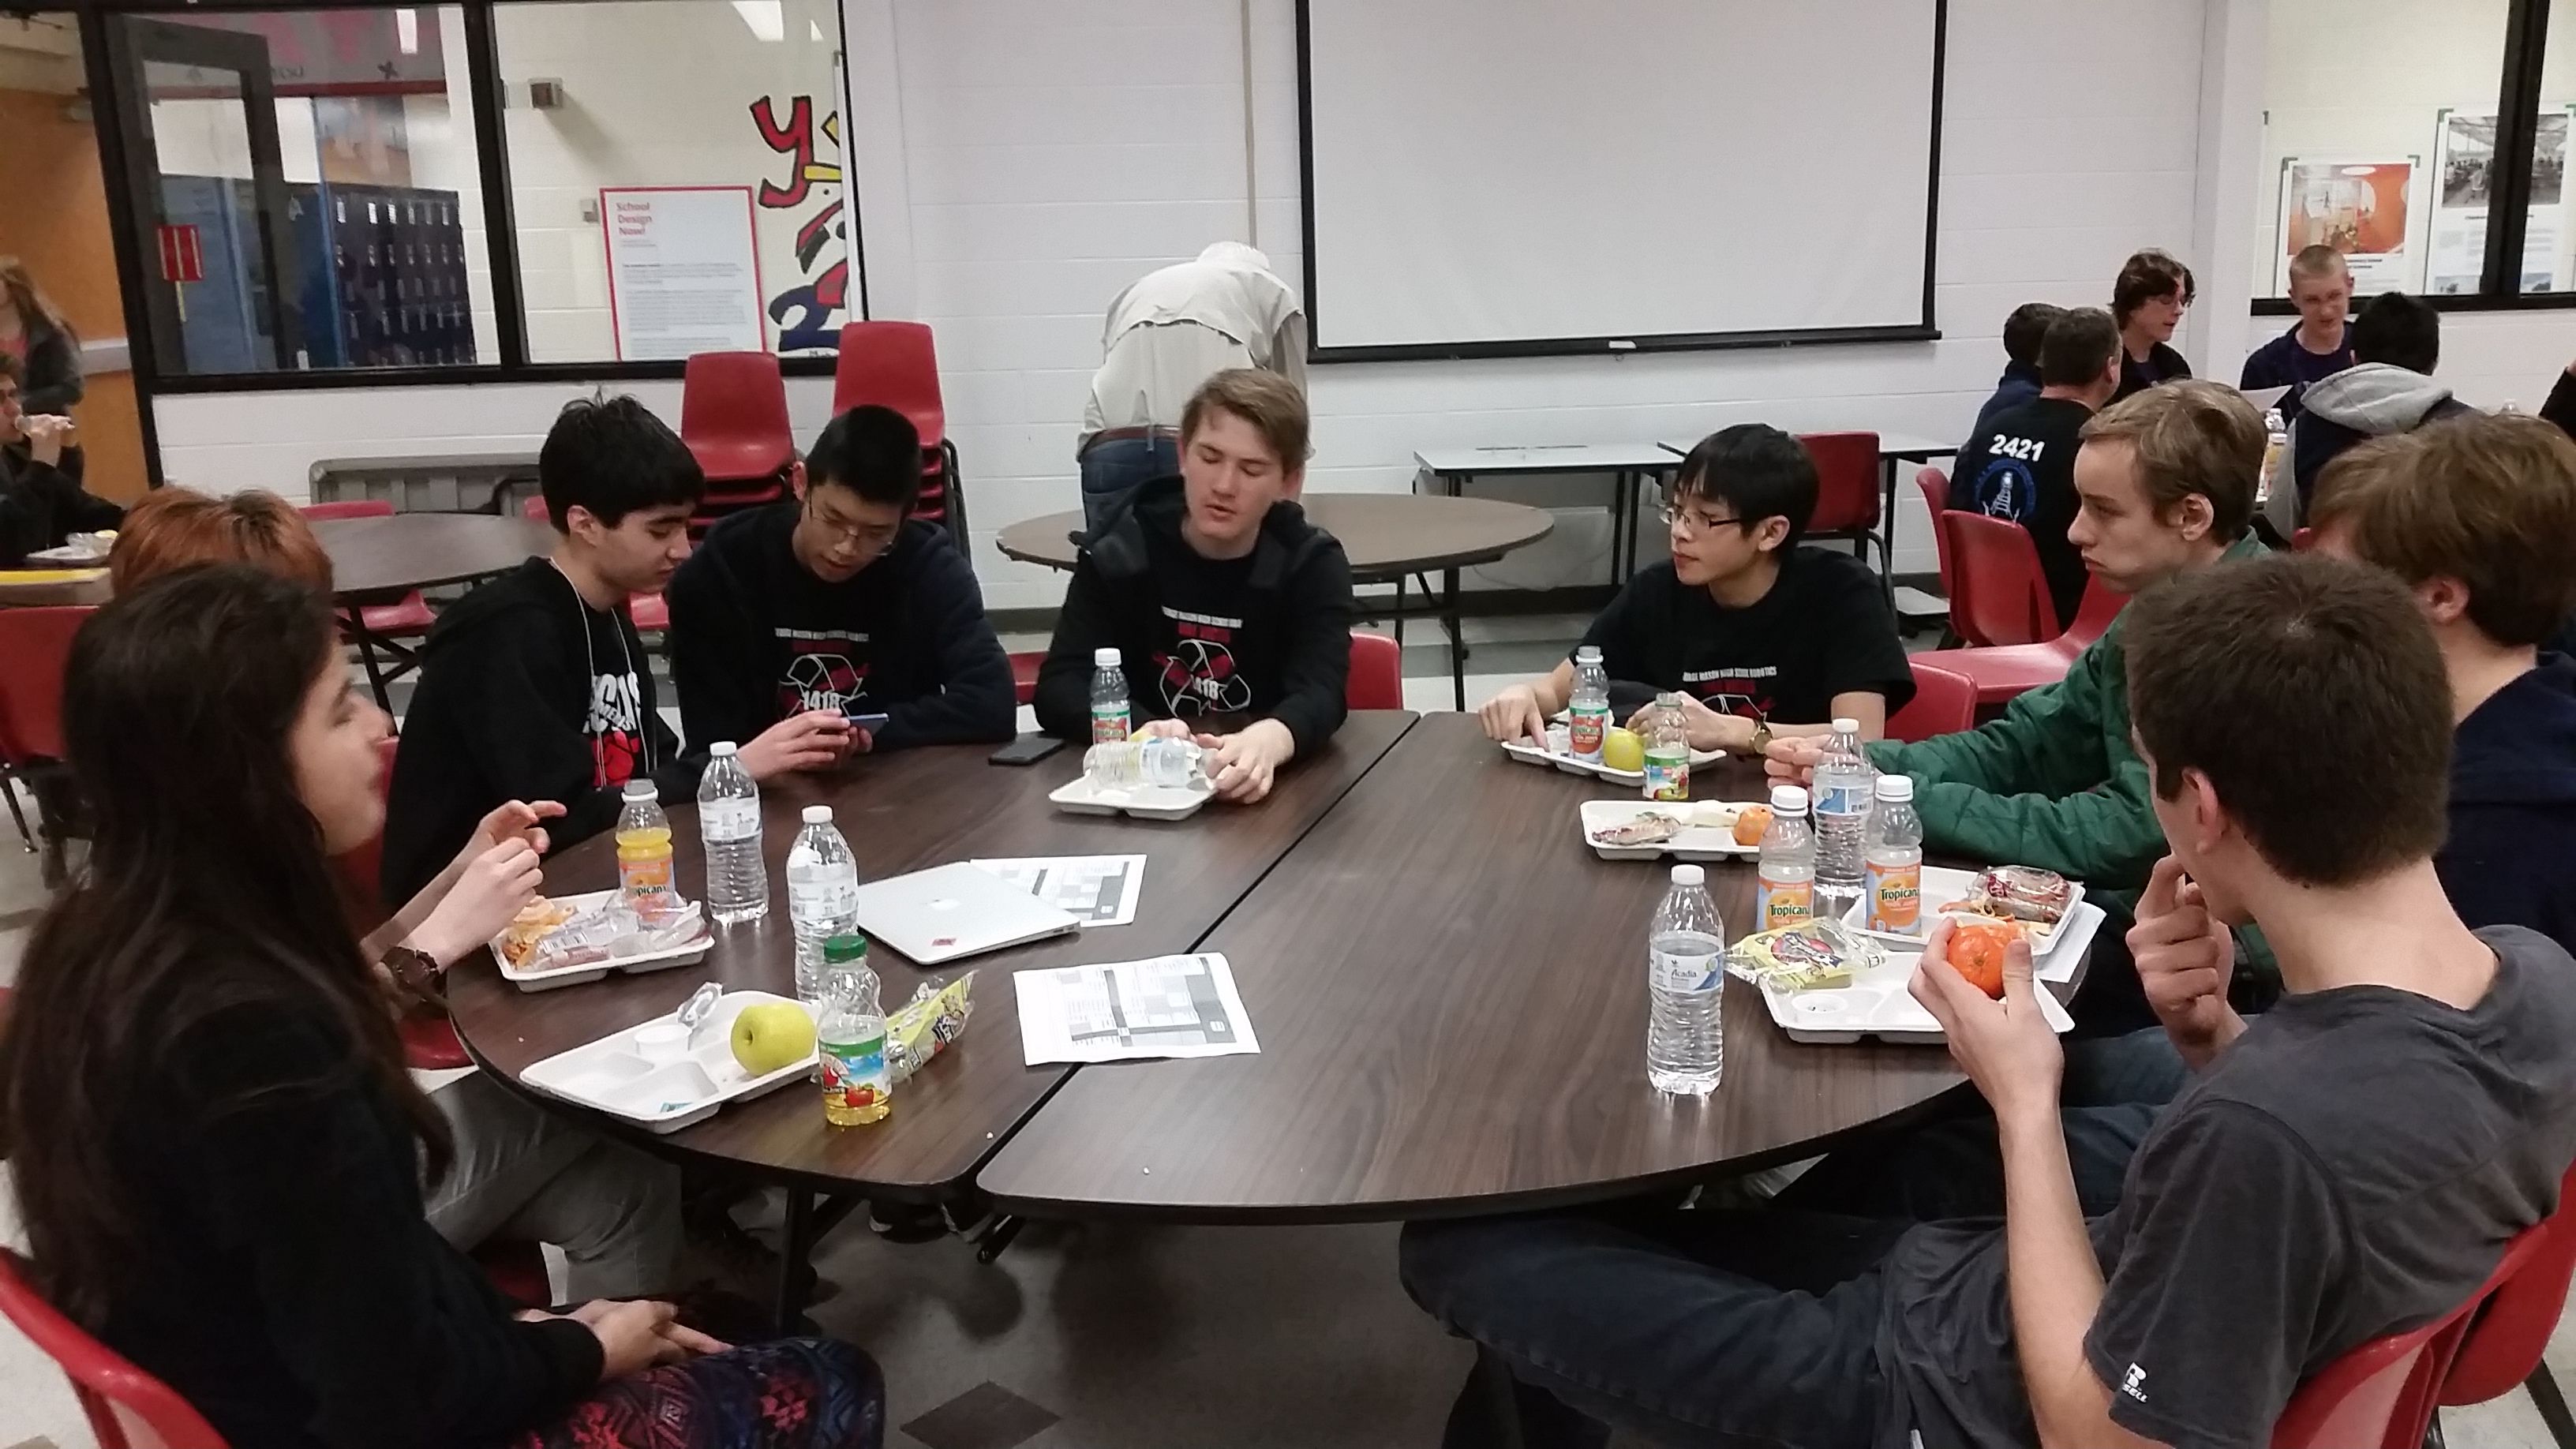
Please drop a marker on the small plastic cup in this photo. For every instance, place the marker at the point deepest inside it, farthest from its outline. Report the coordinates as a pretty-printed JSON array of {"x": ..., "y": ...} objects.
[{"x": 663, "y": 1041}]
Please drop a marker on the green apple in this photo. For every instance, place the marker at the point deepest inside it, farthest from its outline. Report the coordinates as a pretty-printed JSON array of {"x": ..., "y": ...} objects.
[{"x": 772, "y": 1034}]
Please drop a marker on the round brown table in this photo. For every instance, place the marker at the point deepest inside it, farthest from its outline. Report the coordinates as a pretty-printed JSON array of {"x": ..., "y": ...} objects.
[
  {"x": 405, "y": 551},
  {"x": 1389, "y": 537}
]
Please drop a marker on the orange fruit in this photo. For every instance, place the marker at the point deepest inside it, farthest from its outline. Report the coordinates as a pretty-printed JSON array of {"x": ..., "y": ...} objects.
[
  {"x": 1750, "y": 822},
  {"x": 1977, "y": 952}
]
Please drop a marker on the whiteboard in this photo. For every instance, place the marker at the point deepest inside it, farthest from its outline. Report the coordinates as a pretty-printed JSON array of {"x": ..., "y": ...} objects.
[
  {"x": 683, "y": 273},
  {"x": 1507, "y": 176}
]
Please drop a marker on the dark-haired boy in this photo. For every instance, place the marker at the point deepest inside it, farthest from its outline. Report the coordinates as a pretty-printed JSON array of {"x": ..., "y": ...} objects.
[
  {"x": 2024, "y": 330},
  {"x": 1761, "y": 637},
  {"x": 834, "y": 600},
  {"x": 2396, "y": 341},
  {"x": 2021, "y": 464},
  {"x": 536, "y": 687},
  {"x": 2349, "y": 1164}
]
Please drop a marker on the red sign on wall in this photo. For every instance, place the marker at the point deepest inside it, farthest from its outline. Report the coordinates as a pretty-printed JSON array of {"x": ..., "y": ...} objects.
[{"x": 183, "y": 259}]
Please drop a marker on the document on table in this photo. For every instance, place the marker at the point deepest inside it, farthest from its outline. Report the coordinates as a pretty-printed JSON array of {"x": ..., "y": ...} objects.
[
  {"x": 1098, "y": 890},
  {"x": 1169, "y": 1006}
]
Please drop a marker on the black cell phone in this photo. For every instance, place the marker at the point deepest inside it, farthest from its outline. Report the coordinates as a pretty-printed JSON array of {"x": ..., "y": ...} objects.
[{"x": 1026, "y": 750}]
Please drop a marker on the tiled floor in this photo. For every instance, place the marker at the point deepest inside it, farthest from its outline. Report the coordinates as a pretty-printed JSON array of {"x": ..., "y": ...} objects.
[{"x": 1126, "y": 1337}]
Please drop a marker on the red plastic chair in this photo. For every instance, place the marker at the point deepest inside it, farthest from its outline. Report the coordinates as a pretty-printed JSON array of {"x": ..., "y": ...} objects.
[
  {"x": 896, "y": 365},
  {"x": 1944, "y": 703},
  {"x": 650, "y": 613},
  {"x": 1936, "y": 501},
  {"x": 1999, "y": 596},
  {"x": 2503, "y": 1345},
  {"x": 1024, "y": 676},
  {"x": 2383, "y": 1393},
  {"x": 1377, "y": 673},
  {"x": 733, "y": 416},
  {"x": 2092, "y": 618},
  {"x": 127, "y": 1408},
  {"x": 1847, "y": 498},
  {"x": 35, "y": 649},
  {"x": 408, "y": 617}
]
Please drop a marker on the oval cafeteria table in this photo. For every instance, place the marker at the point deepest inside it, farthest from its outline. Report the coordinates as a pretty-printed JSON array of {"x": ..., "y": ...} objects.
[
  {"x": 1388, "y": 536},
  {"x": 1449, "y": 990},
  {"x": 905, "y": 812},
  {"x": 404, "y": 551}
]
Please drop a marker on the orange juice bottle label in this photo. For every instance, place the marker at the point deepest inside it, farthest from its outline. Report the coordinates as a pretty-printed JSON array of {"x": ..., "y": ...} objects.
[
  {"x": 1896, "y": 897},
  {"x": 1785, "y": 903}
]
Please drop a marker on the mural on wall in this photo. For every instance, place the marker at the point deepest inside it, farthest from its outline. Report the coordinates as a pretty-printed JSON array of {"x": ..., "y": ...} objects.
[{"x": 809, "y": 312}]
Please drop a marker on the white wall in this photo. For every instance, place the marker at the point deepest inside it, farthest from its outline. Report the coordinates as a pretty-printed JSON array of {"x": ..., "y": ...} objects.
[{"x": 1020, "y": 162}]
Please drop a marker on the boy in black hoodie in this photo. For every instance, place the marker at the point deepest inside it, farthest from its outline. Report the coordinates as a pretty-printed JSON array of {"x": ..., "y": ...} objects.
[
  {"x": 535, "y": 686},
  {"x": 834, "y": 601},
  {"x": 1219, "y": 596}
]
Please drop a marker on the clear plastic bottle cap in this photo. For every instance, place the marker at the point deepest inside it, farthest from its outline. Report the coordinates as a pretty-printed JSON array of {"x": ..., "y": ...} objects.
[
  {"x": 1846, "y": 726},
  {"x": 1104, "y": 658},
  {"x": 1689, "y": 875},
  {"x": 1791, "y": 799},
  {"x": 720, "y": 749},
  {"x": 640, "y": 789},
  {"x": 818, "y": 814},
  {"x": 1669, "y": 699},
  {"x": 1898, "y": 788}
]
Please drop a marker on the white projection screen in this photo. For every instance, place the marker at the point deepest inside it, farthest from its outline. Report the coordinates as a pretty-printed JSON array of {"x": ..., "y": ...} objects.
[{"x": 1500, "y": 177}]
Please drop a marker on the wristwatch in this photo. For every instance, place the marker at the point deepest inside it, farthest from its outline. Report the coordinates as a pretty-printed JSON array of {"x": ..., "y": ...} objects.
[
  {"x": 416, "y": 971},
  {"x": 1761, "y": 736}
]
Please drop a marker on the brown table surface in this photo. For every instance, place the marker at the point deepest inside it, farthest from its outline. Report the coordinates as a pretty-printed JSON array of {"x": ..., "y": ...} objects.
[
  {"x": 420, "y": 550},
  {"x": 1449, "y": 991},
  {"x": 1385, "y": 534},
  {"x": 53, "y": 593},
  {"x": 906, "y": 812}
]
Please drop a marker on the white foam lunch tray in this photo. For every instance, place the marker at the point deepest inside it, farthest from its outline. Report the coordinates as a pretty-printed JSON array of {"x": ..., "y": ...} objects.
[
  {"x": 1875, "y": 1004},
  {"x": 685, "y": 954},
  {"x": 2054, "y": 953},
  {"x": 611, "y": 1076},
  {"x": 1530, "y": 754},
  {"x": 1696, "y": 842},
  {"x": 1145, "y": 802}
]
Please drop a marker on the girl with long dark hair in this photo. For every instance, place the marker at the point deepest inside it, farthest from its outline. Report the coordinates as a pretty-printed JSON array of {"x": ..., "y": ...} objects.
[{"x": 215, "y": 1146}]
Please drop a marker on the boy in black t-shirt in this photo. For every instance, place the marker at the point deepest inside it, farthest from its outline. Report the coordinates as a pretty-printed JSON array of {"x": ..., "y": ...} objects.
[
  {"x": 2021, "y": 465},
  {"x": 2348, "y": 1165},
  {"x": 1760, "y": 636},
  {"x": 834, "y": 600},
  {"x": 1220, "y": 598}
]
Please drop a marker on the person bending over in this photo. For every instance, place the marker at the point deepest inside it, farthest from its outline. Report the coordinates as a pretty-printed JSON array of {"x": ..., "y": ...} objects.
[
  {"x": 2166, "y": 483},
  {"x": 2319, "y": 345},
  {"x": 2411, "y": 1101},
  {"x": 216, "y": 1149},
  {"x": 536, "y": 687},
  {"x": 2477, "y": 516},
  {"x": 1760, "y": 636},
  {"x": 2021, "y": 466},
  {"x": 836, "y": 601},
  {"x": 2148, "y": 300},
  {"x": 1220, "y": 598},
  {"x": 42, "y": 503},
  {"x": 614, "y": 1211}
]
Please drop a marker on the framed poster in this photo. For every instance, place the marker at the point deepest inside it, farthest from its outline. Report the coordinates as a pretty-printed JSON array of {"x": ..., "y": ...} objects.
[
  {"x": 683, "y": 272},
  {"x": 2358, "y": 207},
  {"x": 2463, "y": 181}
]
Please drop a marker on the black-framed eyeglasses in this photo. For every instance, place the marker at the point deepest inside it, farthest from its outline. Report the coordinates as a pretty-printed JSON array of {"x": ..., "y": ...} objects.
[
  {"x": 873, "y": 537},
  {"x": 1694, "y": 522}
]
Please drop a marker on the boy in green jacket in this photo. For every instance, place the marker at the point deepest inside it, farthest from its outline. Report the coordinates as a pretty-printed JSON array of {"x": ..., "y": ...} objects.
[{"x": 2167, "y": 482}]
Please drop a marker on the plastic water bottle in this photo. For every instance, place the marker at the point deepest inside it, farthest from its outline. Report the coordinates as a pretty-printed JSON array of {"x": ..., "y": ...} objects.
[
  {"x": 1784, "y": 876},
  {"x": 1842, "y": 799},
  {"x": 822, "y": 898},
  {"x": 1686, "y": 977},
  {"x": 1125, "y": 764},
  {"x": 644, "y": 848},
  {"x": 850, "y": 1035},
  {"x": 1896, "y": 859},
  {"x": 1588, "y": 713},
  {"x": 729, "y": 826},
  {"x": 1110, "y": 720},
  {"x": 2276, "y": 442},
  {"x": 1667, "y": 750}
]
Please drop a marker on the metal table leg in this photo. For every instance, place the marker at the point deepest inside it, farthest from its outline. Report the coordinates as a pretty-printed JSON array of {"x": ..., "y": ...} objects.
[
  {"x": 1887, "y": 530},
  {"x": 366, "y": 643},
  {"x": 1457, "y": 638}
]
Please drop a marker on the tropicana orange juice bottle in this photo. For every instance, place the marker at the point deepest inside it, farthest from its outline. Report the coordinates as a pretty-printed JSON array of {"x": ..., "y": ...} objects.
[{"x": 644, "y": 846}]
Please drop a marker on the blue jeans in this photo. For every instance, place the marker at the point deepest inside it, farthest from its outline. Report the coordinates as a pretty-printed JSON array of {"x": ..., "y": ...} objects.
[
  {"x": 1746, "y": 1330},
  {"x": 1112, "y": 467}
]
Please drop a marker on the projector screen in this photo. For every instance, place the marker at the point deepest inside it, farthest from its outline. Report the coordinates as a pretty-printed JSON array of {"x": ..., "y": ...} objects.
[{"x": 1500, "y": 177}]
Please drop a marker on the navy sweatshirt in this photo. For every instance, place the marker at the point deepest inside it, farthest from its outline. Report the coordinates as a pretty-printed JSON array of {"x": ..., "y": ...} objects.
[
  {"x": 2286, "y": 362},
  {"x": 2019, "y": 384},
  {"x": 755, "y": 638},
  {"x": 2510, "y": 858},
  {"x": 526, "y": 693},
  {"x": 1266, "y": 636}
]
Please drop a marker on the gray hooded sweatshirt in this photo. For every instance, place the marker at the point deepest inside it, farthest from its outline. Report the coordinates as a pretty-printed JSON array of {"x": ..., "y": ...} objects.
[{"x": 2369, "y": 400}]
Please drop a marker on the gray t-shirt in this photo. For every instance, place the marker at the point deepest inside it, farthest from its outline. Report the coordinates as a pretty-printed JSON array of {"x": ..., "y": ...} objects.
[{"x": 2351, "y": 1166}]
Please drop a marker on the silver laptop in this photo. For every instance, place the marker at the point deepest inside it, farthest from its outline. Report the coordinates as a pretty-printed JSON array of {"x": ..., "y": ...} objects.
[{"x": 956, "y": 910}]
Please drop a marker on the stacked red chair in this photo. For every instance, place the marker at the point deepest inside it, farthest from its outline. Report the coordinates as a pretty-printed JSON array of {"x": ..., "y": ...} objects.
[
  {"x": 895, "y": 365},
  {"x": 733, "y": 416},
  {"x": 35, "y": 649}
]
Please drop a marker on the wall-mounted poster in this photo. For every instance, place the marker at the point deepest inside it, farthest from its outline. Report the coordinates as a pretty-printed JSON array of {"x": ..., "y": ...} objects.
[
  {"x": 683, "y": 276},
  {"x": 2463, "y": 181},
  {"x": 2358, "y": 207}
]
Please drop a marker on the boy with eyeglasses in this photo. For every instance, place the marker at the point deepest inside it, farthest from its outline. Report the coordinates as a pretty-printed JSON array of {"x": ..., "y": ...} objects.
[
  {"x": 1760, "y": 636},
  {"x": 834, "y": 601}
]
